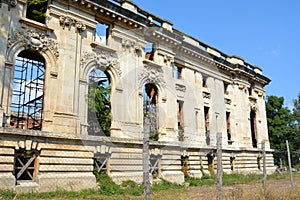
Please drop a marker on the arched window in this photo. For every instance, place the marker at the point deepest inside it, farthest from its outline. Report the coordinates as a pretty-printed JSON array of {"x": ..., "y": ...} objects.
[
  {"x": 28, "y": 91},
  {"x": 99, "y": 107},
  {"x": 150, "y": 97}
]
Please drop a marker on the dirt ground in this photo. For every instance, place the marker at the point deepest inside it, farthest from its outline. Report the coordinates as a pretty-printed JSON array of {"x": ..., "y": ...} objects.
[{"x": 276, "y": 189}]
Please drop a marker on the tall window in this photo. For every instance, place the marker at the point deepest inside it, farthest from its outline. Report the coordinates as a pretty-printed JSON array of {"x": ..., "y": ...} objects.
[
  {"x": 99, "y": 115},
  {"x": 177, "y": 72},
  {"x": 180, "y": 124},
  {"x": 204, "y": 81},
  {"x": 226, "y": 88},
  {"x": 206, "y": 118},
  {"x": 28, "y": 91},
  {"x": 149, "y": 51},
  {"x": 150, "y": 95},
  {"x": 228, "y": 126},
  {"x": 101, "y": 33},
  {"x": 253, "y": 128}
]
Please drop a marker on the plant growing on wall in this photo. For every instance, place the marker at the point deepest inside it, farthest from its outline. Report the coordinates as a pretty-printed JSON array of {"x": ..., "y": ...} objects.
[
  {"x": 36, "y": 10},
  {"x": 99, "y": 105}
]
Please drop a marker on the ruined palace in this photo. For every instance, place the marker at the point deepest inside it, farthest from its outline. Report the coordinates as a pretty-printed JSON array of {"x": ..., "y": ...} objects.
[{"x": 78, "y": 78}]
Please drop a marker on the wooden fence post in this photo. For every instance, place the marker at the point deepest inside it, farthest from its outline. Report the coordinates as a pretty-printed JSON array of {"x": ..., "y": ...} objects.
[
  {"x": 146, "y": 181},
  {"x": 219, "y": 165},
  {"x": 263, "y": 148},
  {"x": 290, "y": 164}
]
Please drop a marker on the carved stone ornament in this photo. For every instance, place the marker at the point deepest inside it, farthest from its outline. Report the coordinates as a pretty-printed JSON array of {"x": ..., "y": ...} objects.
[
  {"x": 66, "y": 21},
  {"x": 180, "y": 87},
  {"x": 152, "y": 74},
  {"x": 253, "y": 106},
  {"x": 103, "y": 60},
  {"x": 206, "y": 95},
  {"x": 34, "y": 40},
  {"x": 10, "y": 3},
  {"x": 227, "y": 101},
  {"x": 130, "y": 45}
]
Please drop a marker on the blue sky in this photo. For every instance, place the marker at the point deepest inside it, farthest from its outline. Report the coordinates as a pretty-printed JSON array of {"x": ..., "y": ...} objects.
[{"x": 264, "y": 33}]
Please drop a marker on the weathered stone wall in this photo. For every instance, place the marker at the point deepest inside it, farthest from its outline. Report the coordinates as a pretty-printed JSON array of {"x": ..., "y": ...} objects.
[
  {"x": 67, "y": 162},
  {"x": 67, "y": 43}
]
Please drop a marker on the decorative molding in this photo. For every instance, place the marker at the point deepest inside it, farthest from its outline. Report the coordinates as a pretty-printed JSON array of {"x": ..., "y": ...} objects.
[
  {"x": 53, "y": 74},
  {"x": 10, "y": 3},
  {"x": 130, "y": 45},
  {"x": 241, "y": 86},
  {"x": 180, "y": 87},
  {"x": 206, "y": 95},
  {"x": 103, "y": 60},
  {"x": 34, "y": 40},
  {"x": 68, "y": 22},
  {"x": 253, "y": 104},
  {"x": 227, "y": 101},
  {"x": 152, "y": 74},
  {"x": 169, "y": 59}
]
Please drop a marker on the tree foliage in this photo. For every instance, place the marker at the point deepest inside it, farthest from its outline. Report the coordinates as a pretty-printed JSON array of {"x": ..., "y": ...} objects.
[
  {"x": 99, "y": 109},
  {"x": 36, "y": 10},
  {"x": 283, "y": 124},
  {"x": 280, "y": 122}
]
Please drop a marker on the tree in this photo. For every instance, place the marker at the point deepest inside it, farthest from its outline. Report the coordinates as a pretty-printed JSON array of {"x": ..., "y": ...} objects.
[
  {"x": 280, "y": 122},
  {"x": 99, "y": 109},
  {"x": 296, "y": 140}
]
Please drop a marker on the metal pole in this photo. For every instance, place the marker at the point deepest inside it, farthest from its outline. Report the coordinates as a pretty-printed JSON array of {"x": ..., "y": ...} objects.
[
  {"x": 219, "y": 165},
  {"x": 264, "y": 165},
  {"x": 146, "y": 182},
  {"x": 290, "y": 164}
]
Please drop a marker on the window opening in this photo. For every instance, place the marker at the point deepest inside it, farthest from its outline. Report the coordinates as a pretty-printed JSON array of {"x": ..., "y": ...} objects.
[
  {"x": 28, "y": 91},
  {"x": 228, "y": 126},
  {"x": 99, "y": 107},
  {"x": 177, "y": 72},
  {"x": 226, "y": 88},
  {"x": 185, "y": 165},
  {"x": 232, "y": 163},
  {"x": 180, "y": 124},
  {"x": 253, "y": 128},
  {"x": 206, "y": 119},
  {"x": 149, "y": 51},
  {"x": 210, "y": 163},
  {"x": 251, "y": 89},
  {"x": 150, "y": 95},
  {"x": 204, "y": 81},
  {"x": 154, "y": 164},
  {"x": 101, "y": 33},
  {"x": 25, "y": 164},
  {"x": 100, "y": 162},
  {"x": 36, "y": 10}
]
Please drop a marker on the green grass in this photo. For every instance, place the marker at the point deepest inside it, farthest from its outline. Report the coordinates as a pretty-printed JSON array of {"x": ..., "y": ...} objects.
[
  {"x": 131, "y": 190},
  {"x": 227, "y": 179},
  {"x": 164, "y": 185},
  {"x": 193, "y": 182}
]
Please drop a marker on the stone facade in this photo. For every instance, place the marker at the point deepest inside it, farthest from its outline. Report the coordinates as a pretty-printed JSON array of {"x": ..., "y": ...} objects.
[{"x": 199, "y": 91}]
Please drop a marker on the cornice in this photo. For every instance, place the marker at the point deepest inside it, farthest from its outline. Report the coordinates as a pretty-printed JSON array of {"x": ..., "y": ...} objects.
[{"x": 112, "y": 11}]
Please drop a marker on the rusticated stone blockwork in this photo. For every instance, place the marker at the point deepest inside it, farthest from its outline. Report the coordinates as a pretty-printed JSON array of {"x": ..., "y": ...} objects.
[{"x": 76, "y": 86}]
